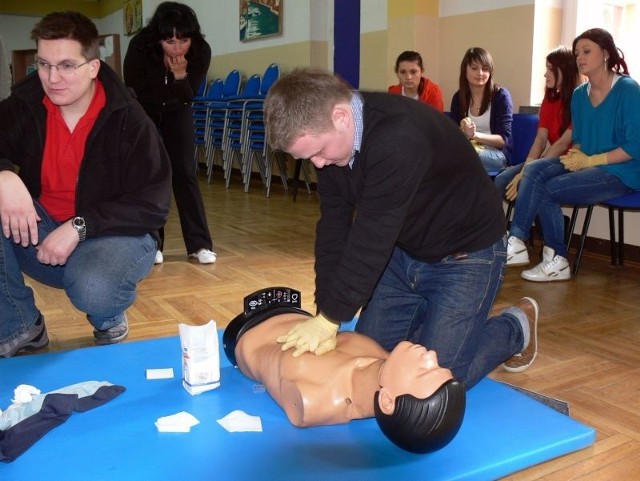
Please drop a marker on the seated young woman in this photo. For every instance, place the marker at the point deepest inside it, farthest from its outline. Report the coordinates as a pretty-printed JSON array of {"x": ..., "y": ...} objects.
[
  {"x": 412, "y": 81},
  {"x": 604, "y": 162},
  {"x": 484, "y": 109}
]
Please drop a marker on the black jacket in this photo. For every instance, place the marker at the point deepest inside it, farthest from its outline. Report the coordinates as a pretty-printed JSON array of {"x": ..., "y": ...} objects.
[
  {"x": 153, "y": 83},
  {"x": 124, "y": 184},
  {"x": 417, "y": 183}
]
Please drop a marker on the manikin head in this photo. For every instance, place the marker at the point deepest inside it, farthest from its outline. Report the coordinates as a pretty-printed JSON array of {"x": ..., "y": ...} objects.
[{"x": 420, "y": 406}]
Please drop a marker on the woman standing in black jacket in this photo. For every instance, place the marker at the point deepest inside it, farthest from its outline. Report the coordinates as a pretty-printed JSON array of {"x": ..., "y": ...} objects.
[{"x": 165, "y": 63}]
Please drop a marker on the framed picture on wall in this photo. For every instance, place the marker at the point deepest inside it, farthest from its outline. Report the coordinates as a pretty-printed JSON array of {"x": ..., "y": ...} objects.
[
  {"x": 259, "y": 19},
  {"x": 132, "y": 16}
]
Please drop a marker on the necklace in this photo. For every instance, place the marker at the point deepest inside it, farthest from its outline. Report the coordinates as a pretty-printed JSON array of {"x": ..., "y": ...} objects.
[{"x": 475, "y": 110}]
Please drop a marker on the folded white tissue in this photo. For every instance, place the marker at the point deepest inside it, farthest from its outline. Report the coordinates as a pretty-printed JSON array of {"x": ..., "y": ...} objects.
[
  {"x": 239, "y": 421},
  {"x": 181, "y": 422}
]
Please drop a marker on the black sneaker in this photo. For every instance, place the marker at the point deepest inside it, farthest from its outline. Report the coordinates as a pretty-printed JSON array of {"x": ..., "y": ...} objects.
[
  {"x": 112, "y": 335},
  {"x": 34, "y": 339}
]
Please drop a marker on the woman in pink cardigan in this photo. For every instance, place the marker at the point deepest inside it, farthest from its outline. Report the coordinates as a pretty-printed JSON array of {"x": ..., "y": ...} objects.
[{"x": 413, "y": 83}]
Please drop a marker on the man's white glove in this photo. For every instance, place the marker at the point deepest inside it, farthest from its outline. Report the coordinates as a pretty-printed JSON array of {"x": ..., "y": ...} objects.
[{"x": 317, "y": 335}]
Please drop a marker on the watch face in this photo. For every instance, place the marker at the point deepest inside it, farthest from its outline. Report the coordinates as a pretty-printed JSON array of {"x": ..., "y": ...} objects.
[{"x": 78, "y": 222}]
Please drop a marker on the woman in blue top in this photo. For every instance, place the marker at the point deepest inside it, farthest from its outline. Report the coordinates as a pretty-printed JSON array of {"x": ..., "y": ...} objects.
[
  {"x": 484, "y": 110},
  {"x": 604, "y": 162}
]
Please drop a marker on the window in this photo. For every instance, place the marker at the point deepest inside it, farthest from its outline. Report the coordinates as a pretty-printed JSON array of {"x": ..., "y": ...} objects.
[{"x": 618, "y": 17}]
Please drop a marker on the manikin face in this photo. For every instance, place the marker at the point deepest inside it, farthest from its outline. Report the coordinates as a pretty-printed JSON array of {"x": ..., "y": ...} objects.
[
  {"x": 590, "y": 57},
  {"x": 550, "y": 77},
  {"x": 477, "y": 74},
  {"x": 328, "y": 148},
  {"x": 411, "y": 369},
  {"x": 69, "y": 89},
  {"x": 175, "y": 47},
  {"x": 409, "y": 74}
]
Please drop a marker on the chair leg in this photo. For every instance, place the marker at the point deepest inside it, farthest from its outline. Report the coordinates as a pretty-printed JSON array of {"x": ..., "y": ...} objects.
[
  {"x": 572, "y": 225},
  {"x": 507, "y": 215},
  {"x": 296, "y": 178},
  {"x": 305, "y": 175},
  {"x": 612, "y": 237},
  {"x": 281, "y": 162},
  {"x": 583, "y": 237},
  {"x": 620, "y": 237}
]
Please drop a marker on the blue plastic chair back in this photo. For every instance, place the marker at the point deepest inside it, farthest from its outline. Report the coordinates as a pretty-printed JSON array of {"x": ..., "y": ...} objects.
[
  {"x": 215, "y": 90},
  {"x": 231, "y": 84},
  {"x": 252, "y": 86},
  {"x": 212, "y": 91},
  {"x": 271, "y": 74},
  {"x": 524, "y": 129},
  {"x": 202, "y": 89}
]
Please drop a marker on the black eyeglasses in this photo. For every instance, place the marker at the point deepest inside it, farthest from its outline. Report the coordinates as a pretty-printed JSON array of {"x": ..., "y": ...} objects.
[{"x": 64, "y": 68}]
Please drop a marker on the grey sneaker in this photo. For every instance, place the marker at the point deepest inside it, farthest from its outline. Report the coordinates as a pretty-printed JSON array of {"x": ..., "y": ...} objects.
[
  {"x": 34, "y": 339},
  {"x": 112, "y": 335}
]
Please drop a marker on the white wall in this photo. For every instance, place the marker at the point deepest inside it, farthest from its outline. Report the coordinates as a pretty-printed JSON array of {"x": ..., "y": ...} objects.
[
  {"x": 462, "y": 7},
  {"x": 219, "y": 21},
  {"x": 16, "y": 31},
  {"x": 373, "y": 15}
]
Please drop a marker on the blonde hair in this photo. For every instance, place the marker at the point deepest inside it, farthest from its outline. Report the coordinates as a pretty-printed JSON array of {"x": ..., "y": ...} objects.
[{"x": 302, "y": 102}]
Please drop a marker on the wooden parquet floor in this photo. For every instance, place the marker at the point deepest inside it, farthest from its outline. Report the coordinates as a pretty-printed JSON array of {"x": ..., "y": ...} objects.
[{"x": 589, "y": 329}]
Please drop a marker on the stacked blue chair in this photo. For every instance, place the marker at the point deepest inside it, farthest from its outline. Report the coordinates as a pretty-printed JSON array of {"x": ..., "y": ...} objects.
[
  {"x": 254, "y": 144},
  {"x": 226, "y": 120},
  {"x": 221, "y": 116},
  {"x": 240, "y": 117},
  {"x": 216, "y": 92},
  {"x": 257, "y": 149},
  {"x": 200, "y": 105}
]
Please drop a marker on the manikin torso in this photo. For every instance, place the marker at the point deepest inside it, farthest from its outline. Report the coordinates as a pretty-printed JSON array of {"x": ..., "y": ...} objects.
[{"x": 313, "y": 390}]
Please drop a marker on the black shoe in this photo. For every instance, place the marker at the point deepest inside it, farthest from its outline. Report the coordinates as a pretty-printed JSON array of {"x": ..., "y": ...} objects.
[
  {"x": 112, "y": 335},
  {"x": 34, "y": 339}
]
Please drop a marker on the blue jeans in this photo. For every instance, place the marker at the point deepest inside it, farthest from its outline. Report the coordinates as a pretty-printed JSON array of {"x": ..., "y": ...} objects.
[
  {"x": 546, "y": 186},
  {"x": 100, "y": 278},
  {"x": 492, "y": 158},
  {"x": 445, "y": 307},
  {"x": 503, "y": 178}
]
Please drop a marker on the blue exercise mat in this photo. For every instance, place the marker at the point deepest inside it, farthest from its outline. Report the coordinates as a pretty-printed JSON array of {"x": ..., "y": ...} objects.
[{"x": 503, "y": 431}]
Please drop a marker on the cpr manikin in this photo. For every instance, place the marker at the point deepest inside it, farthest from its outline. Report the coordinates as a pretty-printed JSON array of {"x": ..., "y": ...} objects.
[{"x": 417, "y": 403}]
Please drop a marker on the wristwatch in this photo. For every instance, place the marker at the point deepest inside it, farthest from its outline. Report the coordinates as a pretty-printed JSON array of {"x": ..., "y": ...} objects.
[{"x": 80, "y": 227}]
